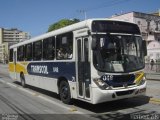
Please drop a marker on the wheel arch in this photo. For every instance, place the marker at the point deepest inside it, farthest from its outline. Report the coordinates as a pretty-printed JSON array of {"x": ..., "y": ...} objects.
[{"x": 59, "y": 80}]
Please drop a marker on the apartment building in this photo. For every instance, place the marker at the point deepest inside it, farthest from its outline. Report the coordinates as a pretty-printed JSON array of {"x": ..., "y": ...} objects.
[
  {"x": 9, "y": 37},
  {"x": 149, "y": 25},
  {"x": 4, "y": 53}
]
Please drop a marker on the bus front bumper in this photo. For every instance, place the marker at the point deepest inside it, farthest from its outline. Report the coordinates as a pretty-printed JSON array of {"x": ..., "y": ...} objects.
[{"x": 100, "y": 96}]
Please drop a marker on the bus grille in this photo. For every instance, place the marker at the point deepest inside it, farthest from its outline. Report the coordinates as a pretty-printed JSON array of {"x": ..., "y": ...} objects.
[
  {"x": 123, "y": 78},
  {"x": 122, "y": 81},
  {"x": 121, "y": 85},
  {"x": 120, "y": 93}
]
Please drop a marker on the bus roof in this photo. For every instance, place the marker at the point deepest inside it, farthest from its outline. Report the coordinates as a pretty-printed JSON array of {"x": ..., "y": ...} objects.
[{"x": 73, "y": 27}]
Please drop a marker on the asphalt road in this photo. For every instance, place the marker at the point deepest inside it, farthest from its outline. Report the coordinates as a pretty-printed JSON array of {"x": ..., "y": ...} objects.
[{"x": 35, "y": 104}]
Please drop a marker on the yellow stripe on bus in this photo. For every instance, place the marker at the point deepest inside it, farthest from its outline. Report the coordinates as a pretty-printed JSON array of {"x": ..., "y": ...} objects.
[
  {"x": 20, "y": 67},
  {"x": 11, "y": 67},
  {"x": 139, "y": 77}
]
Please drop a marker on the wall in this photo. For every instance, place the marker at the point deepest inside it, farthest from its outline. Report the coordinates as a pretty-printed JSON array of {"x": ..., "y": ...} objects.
[{"x": 1, "y": 36}]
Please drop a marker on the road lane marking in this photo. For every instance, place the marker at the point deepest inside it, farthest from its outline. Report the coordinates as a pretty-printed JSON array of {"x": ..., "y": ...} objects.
[
  {"x": 35, "y": 94},
  {"x": 11, "y": 84},
  {"x": 2, "y": 81},
  {"x": 27, "y": 91},
  {"x": 154, "y": 100},
  {"x": 155, "y": 103},
  {"x": 73, "y": 110},
  {"x": 53, "y": 102},
  {"x": 61, "y": 105}
]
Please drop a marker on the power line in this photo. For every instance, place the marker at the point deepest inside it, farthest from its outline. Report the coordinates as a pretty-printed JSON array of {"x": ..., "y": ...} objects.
[
  {"x": 103, "y": 5},
  {"x": 108, "y": 4}
]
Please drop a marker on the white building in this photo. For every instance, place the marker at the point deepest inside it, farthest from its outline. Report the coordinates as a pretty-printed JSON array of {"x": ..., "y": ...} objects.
[
  {"x": 4, "y": 52},
  {"x": 9, "y": 37},
  {"x": 149, "y": 25},
  {"x": 12, "y": 35}
]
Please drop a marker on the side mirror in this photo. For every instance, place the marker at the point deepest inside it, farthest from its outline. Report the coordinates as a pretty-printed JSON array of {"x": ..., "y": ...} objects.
[
  {"x": 144, "y": 47},
  {"x": 94, "y": 43}
]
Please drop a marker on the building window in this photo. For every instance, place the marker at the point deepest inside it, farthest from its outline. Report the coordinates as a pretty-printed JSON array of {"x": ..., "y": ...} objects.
[
  {"x": 151, "y": 54},
  {"x": 139, "y": 22},
  {"x": 49, "y": 48},
  {"x": 28, "y": 52},
  {"x": 64, "y": 46},
  {"x": 37, "y": 50},
  {"x": 157, "y": 55}
]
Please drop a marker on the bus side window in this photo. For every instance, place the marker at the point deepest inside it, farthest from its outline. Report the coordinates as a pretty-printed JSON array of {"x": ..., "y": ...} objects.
[
  {"x": 11, "y": 55},
  {"x": 28, "y": 52},
  {"x": 49, "y": 48},
  {"x": 64, "y": 46},
  {"x": 20, "y": 53},
  {"x": 37, "y": 50}
]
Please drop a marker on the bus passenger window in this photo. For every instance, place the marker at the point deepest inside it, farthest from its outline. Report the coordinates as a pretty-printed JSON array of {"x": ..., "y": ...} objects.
[
  {"x": 49, "y": 48},
  {"x": 11, "y": 55},
  {"x": 28, "y": 52},
  {"x": 20, "y": 53},
  {"x": 37, "y": 50},
  {"x": 64, "y": 46}
]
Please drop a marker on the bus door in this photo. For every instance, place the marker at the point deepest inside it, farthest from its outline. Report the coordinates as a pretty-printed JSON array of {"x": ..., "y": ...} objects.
[
  {"x": 83, "y": 68},
  {"x": 15, "y": 62}
]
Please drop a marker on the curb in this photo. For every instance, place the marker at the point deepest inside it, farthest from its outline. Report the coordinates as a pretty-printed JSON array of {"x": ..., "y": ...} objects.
[{"x": 152, "y": 79}]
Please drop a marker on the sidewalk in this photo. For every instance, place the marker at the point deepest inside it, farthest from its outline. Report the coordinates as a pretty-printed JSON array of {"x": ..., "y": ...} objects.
[
  {"x": 152, "y": 76},
  {"x": 3, "y": 65},
  {"x": 154, "y": 73}
]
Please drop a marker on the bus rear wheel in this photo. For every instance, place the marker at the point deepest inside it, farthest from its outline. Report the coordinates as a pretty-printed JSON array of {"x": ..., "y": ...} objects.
[
  {"x": 64, "y": 92},
  {"x": 23, "y": 83}
]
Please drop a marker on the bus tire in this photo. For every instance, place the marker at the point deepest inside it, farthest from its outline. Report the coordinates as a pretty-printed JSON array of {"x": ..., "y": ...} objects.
[
  {"x": 23, "y": 82},
  {"x": 64, "y": 92}
]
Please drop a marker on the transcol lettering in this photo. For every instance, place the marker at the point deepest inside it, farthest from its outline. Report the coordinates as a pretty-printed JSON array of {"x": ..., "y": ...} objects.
[{"x": 39, "y": 69}]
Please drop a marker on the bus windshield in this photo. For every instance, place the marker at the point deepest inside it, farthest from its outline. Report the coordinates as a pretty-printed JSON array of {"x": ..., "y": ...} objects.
[{"x": 118, "y": 53}]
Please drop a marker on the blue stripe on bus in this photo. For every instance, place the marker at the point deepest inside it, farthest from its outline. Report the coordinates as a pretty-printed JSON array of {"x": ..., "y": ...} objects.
[{"x": 52, "y": 69}]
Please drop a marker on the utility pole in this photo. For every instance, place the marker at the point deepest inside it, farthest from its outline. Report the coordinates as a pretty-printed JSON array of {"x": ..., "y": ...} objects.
[{"x": 84, "y": 13}]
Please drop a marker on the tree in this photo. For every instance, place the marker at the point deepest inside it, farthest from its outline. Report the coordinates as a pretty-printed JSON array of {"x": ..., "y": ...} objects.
[{"x": 62, "y": 23}]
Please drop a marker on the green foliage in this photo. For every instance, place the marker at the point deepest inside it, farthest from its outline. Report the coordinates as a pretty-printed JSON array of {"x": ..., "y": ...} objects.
[{"x": 62, "y": 23}]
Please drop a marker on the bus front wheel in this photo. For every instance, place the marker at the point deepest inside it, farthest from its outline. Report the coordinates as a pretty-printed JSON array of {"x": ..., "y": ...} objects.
[
  {"x": 23, "y": 83},
  {"x": 64, "y": 92}
]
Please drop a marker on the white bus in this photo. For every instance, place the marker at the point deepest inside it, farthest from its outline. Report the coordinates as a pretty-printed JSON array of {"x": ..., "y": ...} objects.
[{"x": 96, "y": 60}]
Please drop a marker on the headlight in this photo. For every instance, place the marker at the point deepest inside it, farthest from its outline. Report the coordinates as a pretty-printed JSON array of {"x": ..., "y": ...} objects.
[
  {"x": 140, "y": 78},
  {"x": 101, "y": 84},
  {"x": 142, "y": 81}
]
